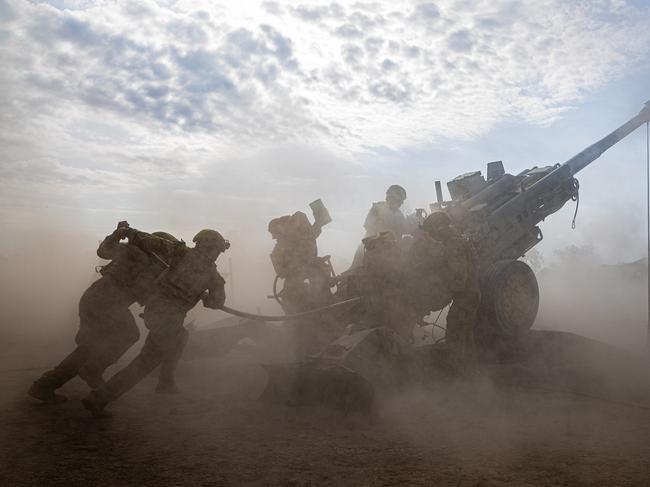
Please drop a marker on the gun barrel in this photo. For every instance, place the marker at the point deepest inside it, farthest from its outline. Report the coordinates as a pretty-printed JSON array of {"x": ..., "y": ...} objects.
[{"x": 594, "y": 151}]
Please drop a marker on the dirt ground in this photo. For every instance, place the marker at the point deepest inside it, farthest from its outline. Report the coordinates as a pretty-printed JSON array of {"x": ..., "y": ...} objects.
[{"x": 216, "y": 433}]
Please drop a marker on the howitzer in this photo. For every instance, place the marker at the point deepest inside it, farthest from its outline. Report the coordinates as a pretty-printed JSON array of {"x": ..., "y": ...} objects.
[{"x": 501, "y": 215}]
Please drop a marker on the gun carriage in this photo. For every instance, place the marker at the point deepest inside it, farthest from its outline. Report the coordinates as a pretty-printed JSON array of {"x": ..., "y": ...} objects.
[{"x": 501, "y": 215}]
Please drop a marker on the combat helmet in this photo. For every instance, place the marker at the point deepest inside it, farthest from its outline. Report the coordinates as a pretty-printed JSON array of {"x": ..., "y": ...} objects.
[
  {"x": 396, "y": 191},
  {"x": 211, "y": 238}
]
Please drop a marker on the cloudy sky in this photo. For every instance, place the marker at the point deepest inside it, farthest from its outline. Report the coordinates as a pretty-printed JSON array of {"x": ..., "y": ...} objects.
[{"x": 179, "y": 115}]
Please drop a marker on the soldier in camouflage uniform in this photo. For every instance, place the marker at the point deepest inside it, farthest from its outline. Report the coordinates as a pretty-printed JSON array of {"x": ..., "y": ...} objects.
[
  {"x": 426, "y": 285},
  {"x": 381, "y": 281},
  {"x": 191, "y": 277},
  {"x": 384, "y": 216},
  {"x": 107, "y": 328},
  {"x": 295, "y": 259},
  {"x": 307, "y": 279},
  {"x": 459, "y": 271}
]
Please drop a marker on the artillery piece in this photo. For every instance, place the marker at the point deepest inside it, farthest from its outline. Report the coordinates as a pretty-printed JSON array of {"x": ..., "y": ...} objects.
[{"x": 501, "y": 215}]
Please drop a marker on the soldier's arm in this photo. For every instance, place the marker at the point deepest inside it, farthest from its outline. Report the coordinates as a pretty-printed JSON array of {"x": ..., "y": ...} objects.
[
  {"x": 371, "y": 220},
  {"x": 109, "y": 246},
  {"x": 316, "y": 229},
  {"x": 151, "y": 243},
  {"x": 215, "y": 298}
]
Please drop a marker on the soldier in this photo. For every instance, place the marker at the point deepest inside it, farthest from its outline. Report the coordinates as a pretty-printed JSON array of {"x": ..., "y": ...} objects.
[
  {"x": 382, "y": 283},
  {"x": 423, "y": 261},
  {"x": 307, "y": 279},
  {"x": 384, "y": 216},
  {"x": 191, "y": 277},
  {"x": 459, "y": 272},
  {"x": 107, "y": 328},
  {"x": 295, "y": 259}
]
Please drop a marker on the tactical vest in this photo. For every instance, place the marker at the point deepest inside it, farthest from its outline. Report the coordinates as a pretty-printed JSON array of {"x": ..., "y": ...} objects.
[
  {"x": 127, "y": 265},
  {"x": 296, "y": 245},
  {"x": 382, "y": 218},
  {"x": 135, "y": 271},
  {"x": 188, "y": 276},
  {"x": 145, "y": 282}
]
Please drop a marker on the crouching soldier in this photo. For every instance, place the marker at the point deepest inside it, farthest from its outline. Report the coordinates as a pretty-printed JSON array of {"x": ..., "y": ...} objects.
[
  {"x": 382, "y": 284},
  {"x": 191, "y": 277},
  {"x": 107, "y": 328},
  {"x": 460, "y": 273},
  {"x": 295, "y": 259}
]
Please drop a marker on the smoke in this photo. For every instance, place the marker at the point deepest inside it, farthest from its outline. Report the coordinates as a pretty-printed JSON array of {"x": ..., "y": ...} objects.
[
  {"x": 453, "y": 433},
  {"x": 580, "y": 293},
  {"x": 52, "y": 260}
]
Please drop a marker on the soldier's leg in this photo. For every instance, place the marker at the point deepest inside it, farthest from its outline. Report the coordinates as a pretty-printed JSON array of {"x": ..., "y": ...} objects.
[
  {"x": 294, "y": 295},
  {"x": 401, "y": 317},
  {"x": 454, "y": 335},
  {"x": 461, "y": 321},
  {"x": 43, "y": 388},
  {"x": 91, "y": 306},
  {"x": 166, "y": 379},
  {"x": 164, "y": 332},
  {"x": 147, "y": 360},
  {"x": 124, "y": 334}
]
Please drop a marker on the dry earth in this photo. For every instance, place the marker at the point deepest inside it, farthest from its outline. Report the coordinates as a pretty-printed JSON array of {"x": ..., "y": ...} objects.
[{"x": 217, "y": 434}]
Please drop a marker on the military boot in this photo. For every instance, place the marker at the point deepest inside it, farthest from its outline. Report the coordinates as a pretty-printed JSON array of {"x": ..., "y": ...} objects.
[
  {"x": 167, "y": 387},
  {"x": 43, "y": 391},
  {"x": 95, "y": 404}
]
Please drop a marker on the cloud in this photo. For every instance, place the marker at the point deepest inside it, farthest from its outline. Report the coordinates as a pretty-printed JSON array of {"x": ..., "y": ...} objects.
[
  {"x": 345, "y": 76},
  {"x": 460, "y": 41},
  {"x": 97, "y": 94},
  {"x": 426, "y": 12}
]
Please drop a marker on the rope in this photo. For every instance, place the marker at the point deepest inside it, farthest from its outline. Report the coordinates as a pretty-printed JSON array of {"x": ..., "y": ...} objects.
[
  {"x": 435, "y": 324},
  {"x": 276, "y": 294},
  {"x": 576, "y": 198},
  {"x": 235, "y": 312},
  {"x": 251, "y": 316}
]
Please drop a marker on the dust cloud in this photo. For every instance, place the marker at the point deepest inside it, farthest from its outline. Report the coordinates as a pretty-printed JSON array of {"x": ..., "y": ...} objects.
[
  {"x": 42, "y": 281},
  {"x": 580, "y": 293},
  {"x": 454, "y": 432},
  {"x": 43, "y": 277}
]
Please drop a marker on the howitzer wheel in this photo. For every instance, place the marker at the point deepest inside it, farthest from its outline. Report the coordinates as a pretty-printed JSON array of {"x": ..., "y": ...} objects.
[{"x": 511, "y": 296}]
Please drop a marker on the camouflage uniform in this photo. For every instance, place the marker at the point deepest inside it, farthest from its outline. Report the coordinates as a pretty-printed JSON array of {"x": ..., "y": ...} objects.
[
  {"x": 107, "y": 328},
  {"x": 383, "y": 218},
  {"x": 306, "y": 280},
  {"x": 461, "y": 275},
  {"x": 382, "y": 284},
  {"x": 457, "y": 264},
  {"x": 295, "y": 259},
  {"x": 192, "y": 272},
  {"x": 426, "y": 286}
]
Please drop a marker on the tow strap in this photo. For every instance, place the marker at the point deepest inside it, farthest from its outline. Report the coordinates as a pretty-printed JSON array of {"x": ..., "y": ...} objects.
[{"x": 251, "y": 316}]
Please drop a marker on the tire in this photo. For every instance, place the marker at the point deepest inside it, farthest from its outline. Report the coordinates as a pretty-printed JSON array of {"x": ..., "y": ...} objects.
[{"x": 511, "y": 297}]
